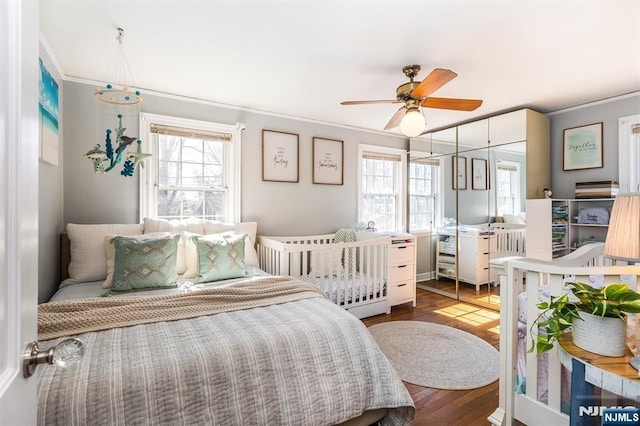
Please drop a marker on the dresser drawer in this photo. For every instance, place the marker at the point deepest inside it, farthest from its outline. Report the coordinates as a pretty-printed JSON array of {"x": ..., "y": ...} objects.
[
  {"x": 401, "y": 253},
  {"x": 401, "y": 273},
  {"x": 401, "y": 291}
]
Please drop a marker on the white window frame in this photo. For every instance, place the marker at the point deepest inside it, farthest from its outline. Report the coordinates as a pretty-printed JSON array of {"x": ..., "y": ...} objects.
[
  {"x": 401, "y": 179},
  {"x": 439, "y": 194},
  {"x": 517, "y": 186},
  {"x": 148, "y": 177},
  {"x": 629, "y": 154}
]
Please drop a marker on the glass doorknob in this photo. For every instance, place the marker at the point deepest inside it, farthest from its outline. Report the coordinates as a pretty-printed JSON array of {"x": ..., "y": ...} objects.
[{"x": 64, "y": 354}]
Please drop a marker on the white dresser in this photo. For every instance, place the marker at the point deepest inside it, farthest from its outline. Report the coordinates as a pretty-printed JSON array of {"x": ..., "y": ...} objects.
[
  {"x": 475, "y": 250},
  {"x": 401, "y": 281}
]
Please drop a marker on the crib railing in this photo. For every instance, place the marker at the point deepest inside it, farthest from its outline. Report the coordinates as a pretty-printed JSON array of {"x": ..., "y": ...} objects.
[
  {"x": 529, "y": 275},
  {"x": 510, "y": 240},
  {"x": 352, "y": 274}
]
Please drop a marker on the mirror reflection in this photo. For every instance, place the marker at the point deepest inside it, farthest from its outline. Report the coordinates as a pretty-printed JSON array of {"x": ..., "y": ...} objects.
[{"x": 476, "y": 174}]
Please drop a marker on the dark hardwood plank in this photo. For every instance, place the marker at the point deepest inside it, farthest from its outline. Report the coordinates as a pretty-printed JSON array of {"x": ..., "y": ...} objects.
[{"x": 446, "y": 407}]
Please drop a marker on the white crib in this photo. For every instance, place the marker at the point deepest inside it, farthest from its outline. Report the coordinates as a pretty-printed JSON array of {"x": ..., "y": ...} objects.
[
  {"x": 351, "y": 274},
  {"x": 583, "y": 265},
  {"x": 510, "y": 239}
]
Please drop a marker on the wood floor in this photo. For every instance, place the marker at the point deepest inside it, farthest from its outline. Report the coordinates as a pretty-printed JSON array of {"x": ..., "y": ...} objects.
[{"x": 444, "y": 407}]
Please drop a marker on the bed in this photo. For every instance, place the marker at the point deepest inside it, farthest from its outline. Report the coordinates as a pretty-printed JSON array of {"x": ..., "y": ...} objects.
[
  {"x": 544, "y": 400},
  {"x": 350, "y": 267},
  {"x": 256, "y": 349}
]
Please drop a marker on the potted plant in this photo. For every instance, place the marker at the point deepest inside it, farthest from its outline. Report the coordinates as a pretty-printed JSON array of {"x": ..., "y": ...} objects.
[{"x": 598, "y": 317}]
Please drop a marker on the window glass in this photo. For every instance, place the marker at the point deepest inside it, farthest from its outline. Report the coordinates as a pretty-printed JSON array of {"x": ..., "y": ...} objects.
[
  {"x": 423, "y": 194},
  {"x": 193, "y": 173},
  {"x": 508, "y": 188}
]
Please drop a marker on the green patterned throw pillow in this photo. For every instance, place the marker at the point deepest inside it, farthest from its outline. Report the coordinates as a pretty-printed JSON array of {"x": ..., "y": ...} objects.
[
  {"x": 220, "y": 257},
  {"x": 144, "y": 264}
]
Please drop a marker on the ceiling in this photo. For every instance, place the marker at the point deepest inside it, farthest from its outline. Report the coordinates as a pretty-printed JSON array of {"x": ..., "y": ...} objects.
[{"x": 302, "y": 58}]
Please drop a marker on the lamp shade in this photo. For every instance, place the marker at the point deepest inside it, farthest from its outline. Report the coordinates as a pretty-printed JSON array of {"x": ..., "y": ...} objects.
[
  {"x": 623, "y": 236},
  {"x": 413, "y": 123}
]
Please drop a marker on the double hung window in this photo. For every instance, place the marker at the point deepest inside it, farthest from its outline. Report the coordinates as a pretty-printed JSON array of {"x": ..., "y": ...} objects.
[
  {"x": 508, "y": 187},
  {"x": 381, "y": 189},
  {"x": 424, "y": 192},
  {"x": 193, "y": 170}
]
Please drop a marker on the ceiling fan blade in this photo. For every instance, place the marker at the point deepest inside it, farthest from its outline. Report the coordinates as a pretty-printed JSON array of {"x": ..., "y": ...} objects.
[
  {"x": 451, "y": 103},
  {"x": 435, "y": 80},
  {"x": 384, "y": 101},
  {"x": 397, "y": 117}
]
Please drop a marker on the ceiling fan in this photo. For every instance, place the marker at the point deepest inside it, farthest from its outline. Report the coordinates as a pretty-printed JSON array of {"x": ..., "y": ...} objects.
[{"x": 415, "y": 94}]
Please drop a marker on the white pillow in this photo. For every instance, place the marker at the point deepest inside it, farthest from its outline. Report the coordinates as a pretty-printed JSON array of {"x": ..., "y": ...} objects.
[
  {"x": 88, "y": 258},
  {"x": 191, "y": 252},
  {"x": 326, "y": 263},
  {"x": 513, "y": 218},
  {"x": 192, "y": 224},
  {"x": 111, "y": 251},
  {"x": 249, "y": 228}
]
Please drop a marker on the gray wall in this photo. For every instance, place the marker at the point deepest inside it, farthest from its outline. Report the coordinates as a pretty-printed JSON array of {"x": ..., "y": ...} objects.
[
  {"x": 563, "y": 182},
  {"x": 50, "y": 210},
  {"x": 279, "y": 208}
]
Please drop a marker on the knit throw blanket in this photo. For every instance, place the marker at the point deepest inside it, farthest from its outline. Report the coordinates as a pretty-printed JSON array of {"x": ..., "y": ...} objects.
[
  {"x": 346, "y": 235},
  {"x": 56, "y": 319}
]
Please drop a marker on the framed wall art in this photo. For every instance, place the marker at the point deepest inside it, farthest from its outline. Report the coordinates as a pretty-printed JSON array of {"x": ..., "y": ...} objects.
[
  {"x": 48, "y": 106},
  {"x": 280, "y": 156},
  {"x": 328, "y": 166},
  {"x": 583, "y": 147},
  {"x": 479, "y": 174},
  {"x": 459, "y": 167}
]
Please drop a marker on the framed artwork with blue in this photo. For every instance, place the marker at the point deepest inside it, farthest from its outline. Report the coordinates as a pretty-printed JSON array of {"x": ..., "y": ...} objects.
[{"x": 48, "y": 106}]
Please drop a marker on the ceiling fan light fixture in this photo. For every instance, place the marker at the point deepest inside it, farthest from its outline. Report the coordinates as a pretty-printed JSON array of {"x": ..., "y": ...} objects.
[{"x": 413, "y": 123}]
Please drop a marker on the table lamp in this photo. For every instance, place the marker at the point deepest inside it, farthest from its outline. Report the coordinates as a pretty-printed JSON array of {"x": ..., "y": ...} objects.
[{"x": 623, "y": 235}]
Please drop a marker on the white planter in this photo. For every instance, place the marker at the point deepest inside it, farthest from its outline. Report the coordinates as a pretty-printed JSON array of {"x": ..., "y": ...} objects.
[{"x": 600, "y": 335}]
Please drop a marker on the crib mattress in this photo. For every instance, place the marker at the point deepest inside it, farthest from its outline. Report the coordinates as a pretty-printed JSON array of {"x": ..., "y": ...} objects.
[{"x": 337, "y": 290}]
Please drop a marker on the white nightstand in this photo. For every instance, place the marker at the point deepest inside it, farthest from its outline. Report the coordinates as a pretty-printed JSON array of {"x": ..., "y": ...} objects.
[{"x": 401, "y": 281}]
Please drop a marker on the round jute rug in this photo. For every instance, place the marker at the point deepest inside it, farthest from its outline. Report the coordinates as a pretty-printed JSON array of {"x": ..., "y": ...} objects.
[{"x": 437, "y": 356}]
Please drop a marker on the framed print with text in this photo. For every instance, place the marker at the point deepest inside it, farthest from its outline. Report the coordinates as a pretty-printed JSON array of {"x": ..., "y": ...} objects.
[
  {"x": 328, "y": 166},
  {"x": 479, "y": 173},
  {"x": 459, "y": 167},
  {"x": 583, "y": 147},
  {"x": 280, "y": 156}
]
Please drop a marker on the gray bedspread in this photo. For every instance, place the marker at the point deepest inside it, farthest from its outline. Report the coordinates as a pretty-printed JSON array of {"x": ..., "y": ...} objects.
[{"x": 306, "y": 362}]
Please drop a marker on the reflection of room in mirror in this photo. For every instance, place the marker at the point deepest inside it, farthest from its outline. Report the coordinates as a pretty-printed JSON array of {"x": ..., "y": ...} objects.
[{"x": 519, "y": 138}]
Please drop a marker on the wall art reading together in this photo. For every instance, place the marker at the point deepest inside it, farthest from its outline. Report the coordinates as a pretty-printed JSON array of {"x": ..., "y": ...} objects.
[
  {"x": 279, "y": 156},
  {"x": 583, "y": 147},
  {"x": 328, "y": 161}
]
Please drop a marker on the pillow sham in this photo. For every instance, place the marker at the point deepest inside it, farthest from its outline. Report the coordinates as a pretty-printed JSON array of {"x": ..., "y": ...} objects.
[
  {"x": 111, "y": 251},
  {"x": 220, "y": 257},
  {"x": 144, "y": 264},
  {"x": 513, "y": 219},
  {"x": 191, "y": 253},
  {"x": 88, "y": 258},
  {"x": 192, "y": 224},
  {"x": 249, "y": 228},
  {"x": 326, "y": 263}
]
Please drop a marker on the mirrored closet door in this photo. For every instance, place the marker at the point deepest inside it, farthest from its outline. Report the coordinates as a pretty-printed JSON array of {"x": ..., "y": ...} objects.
[{"x": 484, "y": 176}]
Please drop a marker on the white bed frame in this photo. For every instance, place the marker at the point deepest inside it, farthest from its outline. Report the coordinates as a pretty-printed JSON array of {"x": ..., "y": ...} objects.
[
  {"x": 293, "y": 256},
  {"x": 584, "y": 265}
]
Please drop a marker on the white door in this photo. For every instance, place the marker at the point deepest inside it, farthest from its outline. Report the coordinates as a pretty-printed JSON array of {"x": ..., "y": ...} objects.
[{"x": 18, "y": 205}]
